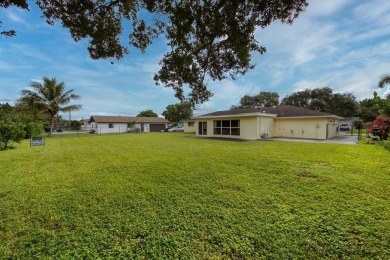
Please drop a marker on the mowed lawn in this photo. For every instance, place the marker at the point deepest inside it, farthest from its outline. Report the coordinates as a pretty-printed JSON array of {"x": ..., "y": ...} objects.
[{"x": 171, "y": 195}]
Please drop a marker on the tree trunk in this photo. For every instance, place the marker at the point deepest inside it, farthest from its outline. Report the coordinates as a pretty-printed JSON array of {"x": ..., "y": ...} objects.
[{"x": 52, "y": 117}]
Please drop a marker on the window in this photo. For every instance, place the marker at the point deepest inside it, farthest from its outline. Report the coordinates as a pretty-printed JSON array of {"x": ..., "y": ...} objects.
[
  {"x": 110, "y": 125},
  {"x": 191, "y": 124},
  {"x": 227, "y": 127},
  {"x": 202, "y": 128}
]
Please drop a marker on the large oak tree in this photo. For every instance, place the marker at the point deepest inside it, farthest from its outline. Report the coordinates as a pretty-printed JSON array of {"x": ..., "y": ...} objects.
[
  {"x": 323, "y": 99},
  {"x": 209, "y": 39}
]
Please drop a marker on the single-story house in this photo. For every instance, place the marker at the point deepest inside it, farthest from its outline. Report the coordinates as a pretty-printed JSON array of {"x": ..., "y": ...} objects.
[
  {"x": 122, "y": 124},
  {"x": 260, "y": 123},
  {"x": 189, "y": 125}
]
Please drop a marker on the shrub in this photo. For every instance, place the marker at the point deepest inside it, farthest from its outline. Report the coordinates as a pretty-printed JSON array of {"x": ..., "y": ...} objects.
[
  {"x": 385, "y": 144},
  {"x": 32, "y": 129},
  {"x": 380, "y": 127},
  {"x": 11, "y": 131},
  {"x": 358, "y": 124},
  {"x": 75, "y": 125}
]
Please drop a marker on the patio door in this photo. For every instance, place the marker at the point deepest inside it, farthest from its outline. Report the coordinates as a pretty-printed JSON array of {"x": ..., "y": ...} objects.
[{"x": 202, "y": 128}]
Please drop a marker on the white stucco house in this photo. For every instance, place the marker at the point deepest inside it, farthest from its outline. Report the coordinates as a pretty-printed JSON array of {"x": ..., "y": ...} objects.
[
  {"x": 123, "y": 124},
  {"x": 260, "y": 123}
]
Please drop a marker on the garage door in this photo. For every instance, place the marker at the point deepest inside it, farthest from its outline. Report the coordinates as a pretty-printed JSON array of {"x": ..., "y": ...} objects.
[{"x": 157, "y": 127}]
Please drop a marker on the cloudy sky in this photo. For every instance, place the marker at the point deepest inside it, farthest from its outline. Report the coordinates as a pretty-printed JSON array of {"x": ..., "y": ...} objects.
[{"x": 342, "y": 44}]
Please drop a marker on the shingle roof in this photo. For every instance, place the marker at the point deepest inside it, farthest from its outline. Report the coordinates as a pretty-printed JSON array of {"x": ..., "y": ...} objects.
[
  {"x": 127, "y": 119},
  {"x": 280, "y": 111}
]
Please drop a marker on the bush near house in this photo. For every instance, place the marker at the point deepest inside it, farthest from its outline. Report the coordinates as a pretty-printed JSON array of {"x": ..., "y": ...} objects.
[
  {"x": 380, "y": 127},
  {"x": 161, "y": 196}
]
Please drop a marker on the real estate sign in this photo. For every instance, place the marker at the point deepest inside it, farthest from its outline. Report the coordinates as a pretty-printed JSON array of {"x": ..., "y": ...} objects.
[{"x": 37, "y": 141}]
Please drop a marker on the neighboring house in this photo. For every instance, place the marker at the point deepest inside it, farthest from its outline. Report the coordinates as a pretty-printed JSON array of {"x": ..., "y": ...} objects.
[
  {"x": 189, "y": 125},
  {"x": 122, "y": 124},
  {"x": 258, "y": 123}
]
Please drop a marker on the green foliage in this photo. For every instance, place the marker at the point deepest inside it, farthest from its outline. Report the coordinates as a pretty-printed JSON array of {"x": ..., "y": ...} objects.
[
  {"x": 370, "y": 108},
  {"x": 32, "y": 129},
  {"x": 385, "y": 144},
  {"x": 384, "y": 80},
  {"x": 163, "y": 198},
  {"x": 75, "y": 124},
  {"x": 358, "y": 124},
  {"x": 324, "y": 100},
  {"x": 50, "y": 97},
  {"x": 207, "y": 39},
  {"x": 263, "y": 99},
  {"x": 10, "y": 131},
  {"x": 147, "y": 113},
  {"x": 174, "y": 113}
]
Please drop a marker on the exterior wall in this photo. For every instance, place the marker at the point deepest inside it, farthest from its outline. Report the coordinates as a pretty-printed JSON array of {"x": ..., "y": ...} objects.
[
  {"x": 248, "y": 127},
  {"x": 253, "y": 128},
  {"x": 190, "y": 129},
  {"x": 310, "y": 128},
  {"x": 103, "y": 128},
  {"x": 265, "y": 125},
  {"x": 332, "y": 128}
]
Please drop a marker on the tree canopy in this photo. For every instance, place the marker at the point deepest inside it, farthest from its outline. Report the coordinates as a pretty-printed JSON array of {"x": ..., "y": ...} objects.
[
  {"x": 147, "y": 113},
  {"x": 323, "y": 99},
  {"x": 212, "y": 39},
  {"x": 263, "y": 99},
  {"x": 176, "y": 112}
]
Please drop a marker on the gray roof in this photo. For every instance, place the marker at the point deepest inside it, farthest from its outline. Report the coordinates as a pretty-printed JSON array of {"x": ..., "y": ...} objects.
[
  {"x": 279, "y": 111},
  {"x": 127, "y": 119}
]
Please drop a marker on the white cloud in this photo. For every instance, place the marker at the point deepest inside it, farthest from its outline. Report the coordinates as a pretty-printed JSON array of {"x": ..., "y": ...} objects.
[
  {"x": 318, "y": 8},
  {"x": 16, "y": 18}
]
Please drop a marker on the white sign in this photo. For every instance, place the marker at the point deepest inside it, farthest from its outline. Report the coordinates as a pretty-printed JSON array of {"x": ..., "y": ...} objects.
[{"x": 37, "y": 141}]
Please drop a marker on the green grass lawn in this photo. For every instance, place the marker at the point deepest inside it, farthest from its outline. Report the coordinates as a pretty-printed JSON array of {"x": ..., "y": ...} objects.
[{"x": 170, "y": 195}]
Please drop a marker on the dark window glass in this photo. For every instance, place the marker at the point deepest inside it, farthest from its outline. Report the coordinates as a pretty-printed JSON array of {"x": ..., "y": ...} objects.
[
  {"x": 235, "y": 131},
  {"x": 226, "y": 131},
  {"x": 235, "y": 123},
  {"x": 225, "y": 123}
]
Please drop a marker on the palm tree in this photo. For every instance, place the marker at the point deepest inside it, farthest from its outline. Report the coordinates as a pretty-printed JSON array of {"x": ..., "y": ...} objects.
[
  {"x": 51, "y": 97},
  {"x": 384, "y": 80}
]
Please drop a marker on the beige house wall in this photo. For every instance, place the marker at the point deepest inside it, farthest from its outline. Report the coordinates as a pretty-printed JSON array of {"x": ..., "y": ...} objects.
[
  {"x": 248, "y": 127},
  {"x": 190, "y": 129},
  {"x": 332, "y": 127},
  {"x": 253, "y": 127},
  {"x": 311, "y": 128},
  {"x": 265, "y": 125}
]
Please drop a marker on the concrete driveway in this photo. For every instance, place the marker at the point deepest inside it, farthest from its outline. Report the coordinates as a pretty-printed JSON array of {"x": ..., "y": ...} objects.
[{"x": 340, "y": 139}]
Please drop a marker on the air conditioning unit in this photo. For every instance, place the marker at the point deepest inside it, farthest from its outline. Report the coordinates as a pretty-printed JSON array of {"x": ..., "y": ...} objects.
[{"x": 265, "y": 135}]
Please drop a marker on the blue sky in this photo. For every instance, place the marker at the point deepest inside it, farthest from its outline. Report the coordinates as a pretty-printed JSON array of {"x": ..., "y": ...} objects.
[{"x": 342, "y": 44}]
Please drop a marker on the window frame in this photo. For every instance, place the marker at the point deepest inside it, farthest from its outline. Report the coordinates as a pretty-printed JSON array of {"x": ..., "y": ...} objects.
[{"x": 225, "y": 128}]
